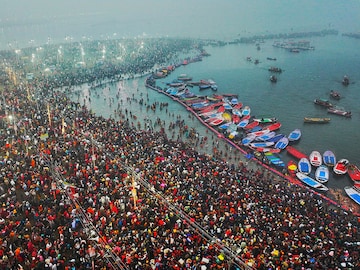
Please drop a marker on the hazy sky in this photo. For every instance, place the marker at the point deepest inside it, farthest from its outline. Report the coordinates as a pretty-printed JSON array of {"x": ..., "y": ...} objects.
[{"x": 190, "y": 18}]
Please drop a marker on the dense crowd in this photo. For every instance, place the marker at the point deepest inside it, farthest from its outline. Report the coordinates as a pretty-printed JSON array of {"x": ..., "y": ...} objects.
[{"x": 63, "y": 167}]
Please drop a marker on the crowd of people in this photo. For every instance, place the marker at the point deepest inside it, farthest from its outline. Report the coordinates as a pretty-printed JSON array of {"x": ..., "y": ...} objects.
[{"x": 79, "y": 191}]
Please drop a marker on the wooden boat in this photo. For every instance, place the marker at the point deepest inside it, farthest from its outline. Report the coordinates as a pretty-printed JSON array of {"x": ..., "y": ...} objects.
[
  {"x": 243, "y": 123},
  {"x": 259, "y": 133},
  {"x": 274, "y": 159},
  {"x": 273, "y": 126},
  {"x": 292, "y": 167},
  {"x": 322, "y": 174},
  {"x": 252, "y": 125},
  {"x": 235, "y": 118},
  {"x": 311, "y": 182},
  {"x": 266, "y": 120},
  {"x": 248, "y": 139},
  {"x": 294, "y": 135},
  {"x": 276, "y": 138},
  {"x": 266, "y": 149},
  {"x": 329, "y": 158},
  {"x": 260, "y": 144},
  {"x": 216, "y": 122},
  {"x": 273, "y": 79},
  {"x": 275, "y": 69},
  {"x": 341, "y": 167},
  {"x": 304, "y": 166},
  {"x": 317, "y": 120},
  {"x": 282, "y": 143},
  {"x": 353, "y": 193},
  {"x": 295, "y": 152},
  {"x": 335, "y": 94},
  {"x": 315, "y": 158},
  {"x": 266, "y": 136},
  {"x": 354, "y": 173},
  {"x": 246, "y": 110},
  {"x": 255, "y": 129},
  {"x": 323, "y": 102},
  {"x": 339, "y": 111}
]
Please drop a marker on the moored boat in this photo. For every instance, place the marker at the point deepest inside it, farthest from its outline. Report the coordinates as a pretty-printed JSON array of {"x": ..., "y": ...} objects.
[
  {"x": 292, "y": 167},
  {"x": 304, "y": 166},
  {"x": 341, "y": 167},
  {"x": 322, "y": 174},
  {"x": 316, "y": 120},
  {"x": 311, "y": 182},
  {"x": 246, "y": 110},
  {"x": 276, "y": 138},
  {"x": 282, "y": 143},
  {"x": 323, "y": 102},
  {"x": 354, "y": 173},
  {"x": 243, "y": 123},
  {"x": 329, "y": 158},
  {"x": 339, "y": 111},
  {"x": 266, "y": 119},
  {"x": 353, "y": 193},
  {"x": 274, "y": 159},
  {"x": 315, "y": 158},
  {"x": 261, "y": 144},
  {"x": 248, "y": 139},
  {"x": 295, "y": 152},
  {"x": 266, "y": 136},
  {"x": 294, "y": 135},
  {"x": 335, "y": 95}
]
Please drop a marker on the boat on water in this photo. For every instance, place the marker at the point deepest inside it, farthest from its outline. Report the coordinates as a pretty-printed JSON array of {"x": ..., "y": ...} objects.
[
  {"x": 263, "y": 120},
  {"x": 315, "y": 158},
  {"x": 273, "y": 79},
  {"x": 322, "y": 174},
  {"x": 248, "y": 139},
  {"x": 251, "y": 125},
  {"x": 246, "y": 110},
  {"x": 329, "y": 158},
  {"x": 339, "y": 111},
  {"x": 271, "y": 58},
  {"x": 295, "y": 152},
  {"x": 276, "y": 138},
  {"x": 292, "y": 168},
  {"x": 317, "y": 120},
  {"x": 184, "y": 77},
  {"x": 354, "y": 193},
  {"x": 311, "y": 182},
  {"x": 282, "y": 143},
  {"x": 354, "y": 174},
  {"x": 216, "y": 122},
  {"x": 274, "y": 159},
  {"x": 275, "y": 69},
  {"x": 260, "y": 144},
  {"x": 273, "y": 126},
  {"x": 294, "y": 135},
  {"x": 243, "y": 123},
  {"x": 266, "y": 136},
  {"x": 304, "y": 166},
  {"x": 345, "y": 81},
  {"x": 341, "y": 167},
  {"x": 323, "y": 102},
  {"x": 335, "y": 95}
]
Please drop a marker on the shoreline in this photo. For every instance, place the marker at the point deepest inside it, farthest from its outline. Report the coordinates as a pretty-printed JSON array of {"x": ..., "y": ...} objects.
[{"x": 337, "y": 198}]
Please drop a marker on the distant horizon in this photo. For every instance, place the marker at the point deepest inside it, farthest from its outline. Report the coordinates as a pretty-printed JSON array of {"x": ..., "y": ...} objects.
[{"x": 36, "y": 22}]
